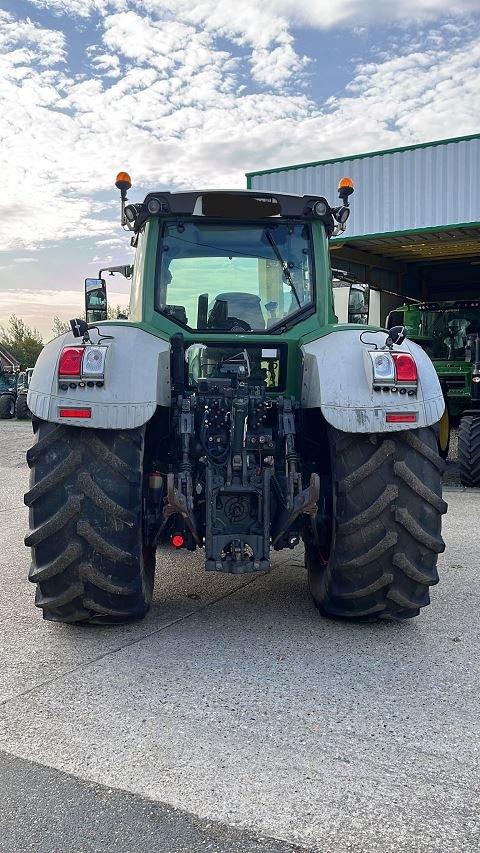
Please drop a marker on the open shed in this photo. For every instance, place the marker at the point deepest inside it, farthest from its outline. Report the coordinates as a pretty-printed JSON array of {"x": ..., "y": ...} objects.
[{"x": 414, "y": 229}]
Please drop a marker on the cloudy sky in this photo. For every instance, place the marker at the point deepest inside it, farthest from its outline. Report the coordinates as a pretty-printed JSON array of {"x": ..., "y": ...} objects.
[{"x": 194, "y": 93}]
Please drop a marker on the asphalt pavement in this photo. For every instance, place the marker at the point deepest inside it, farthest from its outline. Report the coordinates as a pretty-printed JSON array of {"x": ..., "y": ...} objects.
[{"x": 234, "y": 717}]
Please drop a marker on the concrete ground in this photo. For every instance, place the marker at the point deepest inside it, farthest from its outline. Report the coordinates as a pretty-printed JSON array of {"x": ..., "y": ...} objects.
[{"x": 234, "y": 717}]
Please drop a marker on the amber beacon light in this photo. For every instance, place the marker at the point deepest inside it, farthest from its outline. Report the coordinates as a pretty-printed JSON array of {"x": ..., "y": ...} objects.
[
  {"x": 345, "y": 188},
  {"x": 123, "y": 183}
]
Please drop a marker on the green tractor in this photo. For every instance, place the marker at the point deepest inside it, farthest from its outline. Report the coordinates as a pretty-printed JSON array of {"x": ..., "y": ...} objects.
[
  {"x": 449, "y": 332},
  {"x": 232, "y": 413}
]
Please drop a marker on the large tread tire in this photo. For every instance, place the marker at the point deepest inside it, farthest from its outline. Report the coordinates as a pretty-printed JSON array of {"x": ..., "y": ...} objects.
[
  {"x": 7, "y": 407},
  {"x": 85, "y": 500},
  {"x": 22, "y": 412},
  {"x": 469, "y": 450},
  {"x": 387, "y": 505}
]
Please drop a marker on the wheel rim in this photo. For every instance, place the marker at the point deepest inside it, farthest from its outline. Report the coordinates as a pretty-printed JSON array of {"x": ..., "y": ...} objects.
[{"x": 444, "y": 431}]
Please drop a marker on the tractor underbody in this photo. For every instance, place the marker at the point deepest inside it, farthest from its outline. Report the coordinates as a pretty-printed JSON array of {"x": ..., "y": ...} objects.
[{"x": 236, "y": 485}]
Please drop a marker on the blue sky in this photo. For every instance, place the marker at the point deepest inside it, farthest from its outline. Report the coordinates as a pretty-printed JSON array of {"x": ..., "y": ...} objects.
[{"x": 193, "y": 94}]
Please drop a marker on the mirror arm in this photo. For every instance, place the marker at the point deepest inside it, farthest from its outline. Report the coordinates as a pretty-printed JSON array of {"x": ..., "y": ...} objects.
[{"x": 126, "y": 270}]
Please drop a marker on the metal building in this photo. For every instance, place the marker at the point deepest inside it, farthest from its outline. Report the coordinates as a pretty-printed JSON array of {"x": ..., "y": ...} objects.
[{"x": 414, "y": 228}]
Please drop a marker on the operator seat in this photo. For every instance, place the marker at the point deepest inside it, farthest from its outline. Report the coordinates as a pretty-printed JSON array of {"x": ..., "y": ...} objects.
[{"x": 242, "y": 306}]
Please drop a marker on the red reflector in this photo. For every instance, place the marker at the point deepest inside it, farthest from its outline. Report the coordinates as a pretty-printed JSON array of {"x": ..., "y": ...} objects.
[
  {"x": 400, "y": 418},
  {"x": 75, "y": 413},
  {"x": 70, "y": 361},
  {"x": 405, "y": 367},
  {"x": 177, "y": 540}
]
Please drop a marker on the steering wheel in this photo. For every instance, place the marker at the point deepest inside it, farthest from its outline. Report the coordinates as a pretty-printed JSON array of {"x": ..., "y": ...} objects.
[{"x": 234, "y": 324}]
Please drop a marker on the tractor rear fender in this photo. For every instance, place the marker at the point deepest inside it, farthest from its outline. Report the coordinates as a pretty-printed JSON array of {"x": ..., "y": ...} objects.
[
  {"x": 136, "y": 380},
  {"x": 336, "y": 380}
]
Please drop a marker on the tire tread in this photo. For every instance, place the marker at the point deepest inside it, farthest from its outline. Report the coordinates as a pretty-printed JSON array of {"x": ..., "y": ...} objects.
[
  {"x": 85, "y": 504},
  {"x": 387, "y": 529}
]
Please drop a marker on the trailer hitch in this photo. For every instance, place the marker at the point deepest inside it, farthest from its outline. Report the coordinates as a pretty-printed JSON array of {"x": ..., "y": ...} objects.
[{"x": 176, "y": 504}]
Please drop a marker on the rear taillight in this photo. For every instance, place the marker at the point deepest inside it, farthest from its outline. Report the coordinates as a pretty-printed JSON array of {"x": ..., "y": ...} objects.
[
  {"x": 93, "y": 362},
  {"x": 393, "y": 368},
  {"x": 405, "y": 367},
  {"x": 71, "y": 361},
  {"x": 401, "y": 418},
  {"x": 87, "y": 361},
  {"x": 383, "y": 367},
  {"x": 75, "y": 413}
]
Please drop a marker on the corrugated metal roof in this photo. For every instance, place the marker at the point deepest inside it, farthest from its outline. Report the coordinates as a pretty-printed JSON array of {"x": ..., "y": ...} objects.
[
  {"x": 443, "y": 244},
  {"x": 426, "y": 186}
]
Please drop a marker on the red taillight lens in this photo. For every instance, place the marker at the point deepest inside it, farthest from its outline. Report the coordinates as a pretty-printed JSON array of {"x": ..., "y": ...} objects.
[
  {"x": 405, "y": 367},
  {"x": 401, "y": 418},
  {"x": 71, "y": 361},
  {"x": 177, "y": 540},
  {"x": 75, "y": 413}
]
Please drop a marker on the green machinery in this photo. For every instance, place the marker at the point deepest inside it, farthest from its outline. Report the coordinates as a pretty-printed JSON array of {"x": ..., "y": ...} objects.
[
  {"x": 232, "y": 413},
  {"x": 449, "y": 334}
]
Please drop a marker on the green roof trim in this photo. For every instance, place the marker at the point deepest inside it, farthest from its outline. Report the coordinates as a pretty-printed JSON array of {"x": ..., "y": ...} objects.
[
  {"x": 453, "y": 139},
  {"x": 380, "y": 235}
]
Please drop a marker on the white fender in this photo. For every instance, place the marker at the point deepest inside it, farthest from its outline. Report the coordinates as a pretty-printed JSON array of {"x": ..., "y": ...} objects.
[
  {"x": 335, "y": 379},
  {"x": 137, "y": 379}
]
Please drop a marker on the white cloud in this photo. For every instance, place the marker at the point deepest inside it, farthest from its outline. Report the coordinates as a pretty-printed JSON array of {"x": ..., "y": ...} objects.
[
  {"x": 159, "y": 97},
  {"x": 261, "y": 22},
  {"x": 45, "y": 44}
]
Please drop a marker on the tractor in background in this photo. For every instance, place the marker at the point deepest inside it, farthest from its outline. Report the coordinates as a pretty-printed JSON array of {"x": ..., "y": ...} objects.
[
  {"x": 449, "y": 332},
  {"x": 9, "y": 368},
  {"x": 8, "y": 393},
  {"x": 22, "y": 412}
]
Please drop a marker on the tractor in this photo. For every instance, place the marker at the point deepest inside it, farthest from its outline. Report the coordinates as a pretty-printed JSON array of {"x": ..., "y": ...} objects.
[
  {"x": 449, "y": 332},
  {"x": 8, "y": 392},
  {"x": 22, "y": 412},
  {"x": 232, "y": 413}
]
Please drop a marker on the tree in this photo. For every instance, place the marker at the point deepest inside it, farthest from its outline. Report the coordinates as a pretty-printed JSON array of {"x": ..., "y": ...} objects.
[
  {"x": 24, "y": 343},
  {"x": 60, "y": 326},
  {"x": 113, "y": 312}
]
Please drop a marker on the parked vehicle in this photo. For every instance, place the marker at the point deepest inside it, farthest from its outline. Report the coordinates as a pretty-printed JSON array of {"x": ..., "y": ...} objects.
[
  {"x": 22, "y": 412},
  {"x": 8, "y": 393},
  {"x": 448, "y": 332},
  {"x": 232, "y": 413}
]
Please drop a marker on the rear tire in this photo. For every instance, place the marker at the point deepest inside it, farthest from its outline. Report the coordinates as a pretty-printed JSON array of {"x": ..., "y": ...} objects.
[
  {"x": 22, "y": 412},
  {"x": 385, "y": 541},
  {"x": 7, "y": 407},
  {"x": 469, "y": 450},
  {"x": 88, "y": 558}
]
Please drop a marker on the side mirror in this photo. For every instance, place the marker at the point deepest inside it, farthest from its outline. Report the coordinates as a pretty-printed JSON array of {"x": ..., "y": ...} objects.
[
  {"x": 358, "y": 299},
  {"x": 95, "y": 300}
]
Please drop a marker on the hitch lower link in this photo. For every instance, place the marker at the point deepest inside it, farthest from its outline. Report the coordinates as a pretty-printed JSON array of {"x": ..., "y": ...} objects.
[{"x": 299, "y": 501}]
